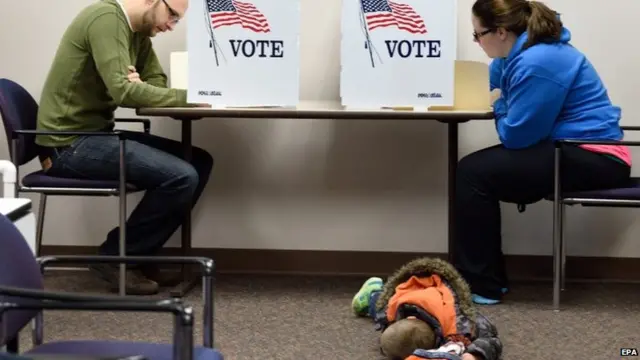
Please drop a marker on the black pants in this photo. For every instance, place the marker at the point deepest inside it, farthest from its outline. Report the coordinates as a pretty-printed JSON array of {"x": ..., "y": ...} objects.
[{"x": 521, "y": 176}]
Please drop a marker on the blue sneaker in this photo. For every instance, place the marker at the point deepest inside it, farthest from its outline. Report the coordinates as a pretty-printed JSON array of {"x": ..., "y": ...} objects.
[{"x": 481, "y": 300}]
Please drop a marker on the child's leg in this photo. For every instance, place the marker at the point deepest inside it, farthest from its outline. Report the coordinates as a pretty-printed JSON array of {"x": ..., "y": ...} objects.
[{"x": 362, "y": 301}]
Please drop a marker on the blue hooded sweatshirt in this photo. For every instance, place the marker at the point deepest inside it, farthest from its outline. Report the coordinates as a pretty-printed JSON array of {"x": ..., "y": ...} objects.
[{"x": 549, "y": 92}]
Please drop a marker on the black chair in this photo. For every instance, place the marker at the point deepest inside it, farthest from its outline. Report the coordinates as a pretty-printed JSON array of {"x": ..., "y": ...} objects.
[
  {"x": 628, "y": 196},
  {"x": 22, "y": 299},
  {"x": 19, "y": 115}
]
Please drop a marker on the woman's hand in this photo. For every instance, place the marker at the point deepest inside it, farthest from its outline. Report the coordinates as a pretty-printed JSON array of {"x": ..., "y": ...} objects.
[
  {"x": 495, "y": 95},
  {"x": 467, "y": 356}
]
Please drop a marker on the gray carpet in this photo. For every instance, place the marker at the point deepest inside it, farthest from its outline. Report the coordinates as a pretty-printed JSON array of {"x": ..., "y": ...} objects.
[{"x": 276, "y": 317}]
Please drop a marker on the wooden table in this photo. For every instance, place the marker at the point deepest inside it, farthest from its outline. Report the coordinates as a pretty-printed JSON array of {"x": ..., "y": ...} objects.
[
  {"x": 15, "y": 208},
  {"x": 450, "y": 117}
]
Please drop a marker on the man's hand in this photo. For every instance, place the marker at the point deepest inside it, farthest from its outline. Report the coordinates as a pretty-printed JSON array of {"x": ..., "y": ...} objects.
[
  {"x": 133, "y": 75},
  {"x": 467, "y": 356}
]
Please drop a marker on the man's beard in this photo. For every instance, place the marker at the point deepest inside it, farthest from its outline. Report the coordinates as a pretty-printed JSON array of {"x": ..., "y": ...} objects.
[{"x": 148, "y": 22}]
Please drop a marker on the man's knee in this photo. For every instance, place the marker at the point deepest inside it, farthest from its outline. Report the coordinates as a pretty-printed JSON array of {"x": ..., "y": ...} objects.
[
  {"x": 191, "y": 178},
  {"x": 183, "y": 179}
]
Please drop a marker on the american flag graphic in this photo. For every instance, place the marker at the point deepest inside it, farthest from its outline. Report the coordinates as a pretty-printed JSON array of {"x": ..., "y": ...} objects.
[
  {"x": 232, "y": 12},
  {"x": 385, "y": 13}
]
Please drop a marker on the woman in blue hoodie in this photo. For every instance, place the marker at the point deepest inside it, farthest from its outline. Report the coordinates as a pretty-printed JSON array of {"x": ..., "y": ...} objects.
[{"x": 548, "y": 90}]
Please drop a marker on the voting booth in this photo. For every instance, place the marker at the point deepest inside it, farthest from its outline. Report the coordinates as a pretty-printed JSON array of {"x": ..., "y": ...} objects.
[
  {"x": 394, "y": 54},
  {"x": 398, "y": 53},
  {"x": 471, "y": 82},
  {"x": 244, "y": 53}
]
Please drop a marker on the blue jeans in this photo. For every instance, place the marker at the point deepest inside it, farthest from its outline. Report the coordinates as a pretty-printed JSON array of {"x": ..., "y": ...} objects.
[{"x": 172, "y": 186}]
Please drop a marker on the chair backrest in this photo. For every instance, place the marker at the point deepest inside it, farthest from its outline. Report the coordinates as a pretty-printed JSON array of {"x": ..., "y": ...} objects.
[
  {"x": 18, "y": 268},
  {"x": 19, "y": 111}
]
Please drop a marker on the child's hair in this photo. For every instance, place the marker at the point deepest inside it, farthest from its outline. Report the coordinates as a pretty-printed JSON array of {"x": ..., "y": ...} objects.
[
  {"x": 539, "y": 21},
  {"x": 402, "y": 337}
]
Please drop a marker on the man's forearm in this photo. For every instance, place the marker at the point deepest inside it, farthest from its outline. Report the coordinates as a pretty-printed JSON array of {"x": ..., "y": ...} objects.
[{"x": 110, "y": 52}]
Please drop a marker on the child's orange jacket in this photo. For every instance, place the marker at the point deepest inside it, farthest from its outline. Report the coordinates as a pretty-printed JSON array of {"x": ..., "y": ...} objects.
[{"x": 433, "y": 291}]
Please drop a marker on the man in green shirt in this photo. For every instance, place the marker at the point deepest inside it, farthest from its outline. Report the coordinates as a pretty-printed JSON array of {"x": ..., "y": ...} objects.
[{"x": 106, "y": 60}]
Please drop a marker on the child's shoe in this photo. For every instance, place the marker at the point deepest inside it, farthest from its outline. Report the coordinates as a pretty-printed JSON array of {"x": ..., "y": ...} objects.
[{"x": 360, "y": 302}]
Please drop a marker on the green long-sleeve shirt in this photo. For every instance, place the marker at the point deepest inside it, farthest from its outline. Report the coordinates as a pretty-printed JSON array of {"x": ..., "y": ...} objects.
[{"x": 88, "y": 78}]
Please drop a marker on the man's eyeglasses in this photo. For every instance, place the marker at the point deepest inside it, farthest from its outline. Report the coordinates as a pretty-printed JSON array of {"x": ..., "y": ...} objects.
[
  {"x": 174, "y": 17},
  {"x": 478, "y": 35}
]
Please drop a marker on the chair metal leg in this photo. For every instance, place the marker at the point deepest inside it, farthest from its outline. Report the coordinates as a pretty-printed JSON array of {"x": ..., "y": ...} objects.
[
  {"x": 563, "y": 247},
  {"x": 13, "y": 345},
  {"x": 37, "y": 336},
  {"x": 183, "y": 335},
  {"x": 37, "y": 326},
  {"x": 122, "y": 199},
  {"x": 557, "y": 238},
  {"x": 207, "y": 294},
  {"x": 40, "y": 223}
]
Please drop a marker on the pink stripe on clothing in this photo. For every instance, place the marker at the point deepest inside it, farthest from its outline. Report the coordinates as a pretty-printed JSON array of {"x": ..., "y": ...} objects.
[{"x": 620, "y": 151}]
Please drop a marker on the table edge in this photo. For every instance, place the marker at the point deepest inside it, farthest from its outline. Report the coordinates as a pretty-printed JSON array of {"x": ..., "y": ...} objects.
[
  {"x": 186, "y": 112},
  {"x": 19, "y": 212}
]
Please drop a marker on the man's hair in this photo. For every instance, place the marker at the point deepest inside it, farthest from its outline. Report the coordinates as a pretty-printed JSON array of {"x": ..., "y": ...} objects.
[{"x": 403, "y": 337}]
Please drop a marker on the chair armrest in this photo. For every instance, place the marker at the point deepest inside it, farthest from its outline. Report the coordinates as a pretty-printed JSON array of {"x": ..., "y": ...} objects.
[
  {"x": 604, "y": 142},
  {"x": 146, "y": 123},
  {"x": 183, "y": 315},
  {"x": 15, "y": 133},
  {"x": 558, "y": 163},
  {"x": 67, "y": 296},
  {"x": 207, "y": 266},
  {"x": 597, "y": 142},
  {"x": 120, "y": 305}
]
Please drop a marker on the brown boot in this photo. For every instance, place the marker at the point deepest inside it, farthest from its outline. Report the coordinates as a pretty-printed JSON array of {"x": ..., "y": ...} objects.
[
  {"x": 163, "y": 278},
  {"x": 135, "y": 283}
]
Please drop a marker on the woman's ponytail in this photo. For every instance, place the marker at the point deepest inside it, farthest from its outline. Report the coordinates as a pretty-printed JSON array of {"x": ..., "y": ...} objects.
[{"x": 543, "y": 24}]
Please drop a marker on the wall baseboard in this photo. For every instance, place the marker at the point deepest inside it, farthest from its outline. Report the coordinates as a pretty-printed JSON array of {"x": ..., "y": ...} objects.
[{"x": 369, "y": 263}]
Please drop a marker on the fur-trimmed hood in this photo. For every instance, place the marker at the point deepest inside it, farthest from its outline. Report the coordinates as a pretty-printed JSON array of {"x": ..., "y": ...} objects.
[{"x": 426, "y": 266}]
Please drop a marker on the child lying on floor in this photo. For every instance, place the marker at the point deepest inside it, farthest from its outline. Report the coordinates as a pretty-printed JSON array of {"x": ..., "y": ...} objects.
[{"x": 425, "y": 312}]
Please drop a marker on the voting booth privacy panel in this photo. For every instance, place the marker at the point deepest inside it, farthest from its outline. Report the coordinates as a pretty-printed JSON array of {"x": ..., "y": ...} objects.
[
  {"x": 398, "y": 53},
  {"x": 393, "y": 54},
  {"x": 244, "y": 53}
]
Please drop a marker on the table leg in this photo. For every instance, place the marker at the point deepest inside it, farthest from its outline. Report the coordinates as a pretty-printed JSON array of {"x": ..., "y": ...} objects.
[
  {"x": 453, "y": 165},
  {"x": 189, "y": 279}
]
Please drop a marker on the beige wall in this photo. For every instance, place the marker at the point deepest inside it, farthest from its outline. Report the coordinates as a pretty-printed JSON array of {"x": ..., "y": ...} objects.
[{"x": 353, "y": 185}]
